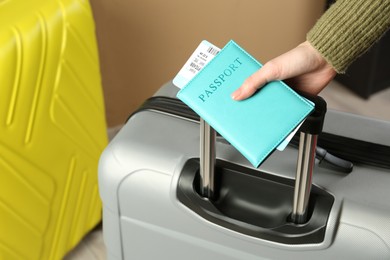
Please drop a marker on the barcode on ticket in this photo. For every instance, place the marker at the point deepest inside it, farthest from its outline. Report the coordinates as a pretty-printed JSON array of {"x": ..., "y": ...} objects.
[
  {"x": 202, "y": 55},
  {"x": 212, "y": 51}
]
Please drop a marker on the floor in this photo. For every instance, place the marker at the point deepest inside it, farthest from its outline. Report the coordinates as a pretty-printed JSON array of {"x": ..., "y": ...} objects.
[{"x": 337, "y": 96}]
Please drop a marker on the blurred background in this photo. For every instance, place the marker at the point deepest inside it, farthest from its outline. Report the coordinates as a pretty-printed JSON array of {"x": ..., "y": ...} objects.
[{"x": 143, "y": 44}]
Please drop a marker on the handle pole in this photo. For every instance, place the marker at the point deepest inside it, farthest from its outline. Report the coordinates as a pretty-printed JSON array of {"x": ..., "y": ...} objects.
[
  {"x": 304, "y": 173},
  {"x": 207, "y": 159}
]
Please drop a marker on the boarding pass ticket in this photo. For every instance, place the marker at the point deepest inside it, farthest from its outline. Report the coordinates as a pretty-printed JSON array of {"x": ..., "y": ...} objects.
[{"x": 202, "y": 55}]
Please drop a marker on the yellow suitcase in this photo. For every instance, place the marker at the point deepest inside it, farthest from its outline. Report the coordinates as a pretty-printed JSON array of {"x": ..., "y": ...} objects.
[{"x": 52, "y": 127}]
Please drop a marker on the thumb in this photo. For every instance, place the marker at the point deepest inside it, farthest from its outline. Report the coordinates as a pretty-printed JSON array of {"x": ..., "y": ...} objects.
[{"x": 267, "y": 73}]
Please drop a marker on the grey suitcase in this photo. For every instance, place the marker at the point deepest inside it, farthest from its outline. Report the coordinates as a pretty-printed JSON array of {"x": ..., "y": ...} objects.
[{"x": 158, "y": 202}]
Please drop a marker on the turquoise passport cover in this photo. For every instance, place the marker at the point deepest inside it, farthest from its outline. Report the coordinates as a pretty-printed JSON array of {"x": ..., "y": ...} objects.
[{"x": 255, "y": 126}]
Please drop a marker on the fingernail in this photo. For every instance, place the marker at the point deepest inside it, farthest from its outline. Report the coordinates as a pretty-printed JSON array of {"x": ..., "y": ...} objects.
[{"x": 236, "y": 94}]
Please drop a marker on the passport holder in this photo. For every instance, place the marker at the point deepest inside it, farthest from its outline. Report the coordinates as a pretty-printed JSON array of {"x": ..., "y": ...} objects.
[{"x": 255, "y": 126}]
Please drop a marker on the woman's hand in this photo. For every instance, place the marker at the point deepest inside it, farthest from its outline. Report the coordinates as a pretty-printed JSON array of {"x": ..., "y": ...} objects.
[{"x": 303, "y": 68}]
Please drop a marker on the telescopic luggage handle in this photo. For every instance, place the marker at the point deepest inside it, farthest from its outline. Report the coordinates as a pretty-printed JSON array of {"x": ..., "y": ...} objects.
[
  {"x": 309, "y": 132},
  {"x": 207, "y": 160}
]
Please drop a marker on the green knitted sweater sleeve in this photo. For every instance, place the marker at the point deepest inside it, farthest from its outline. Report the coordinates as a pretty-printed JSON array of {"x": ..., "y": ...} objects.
[{"x": 349, "y": 28}]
